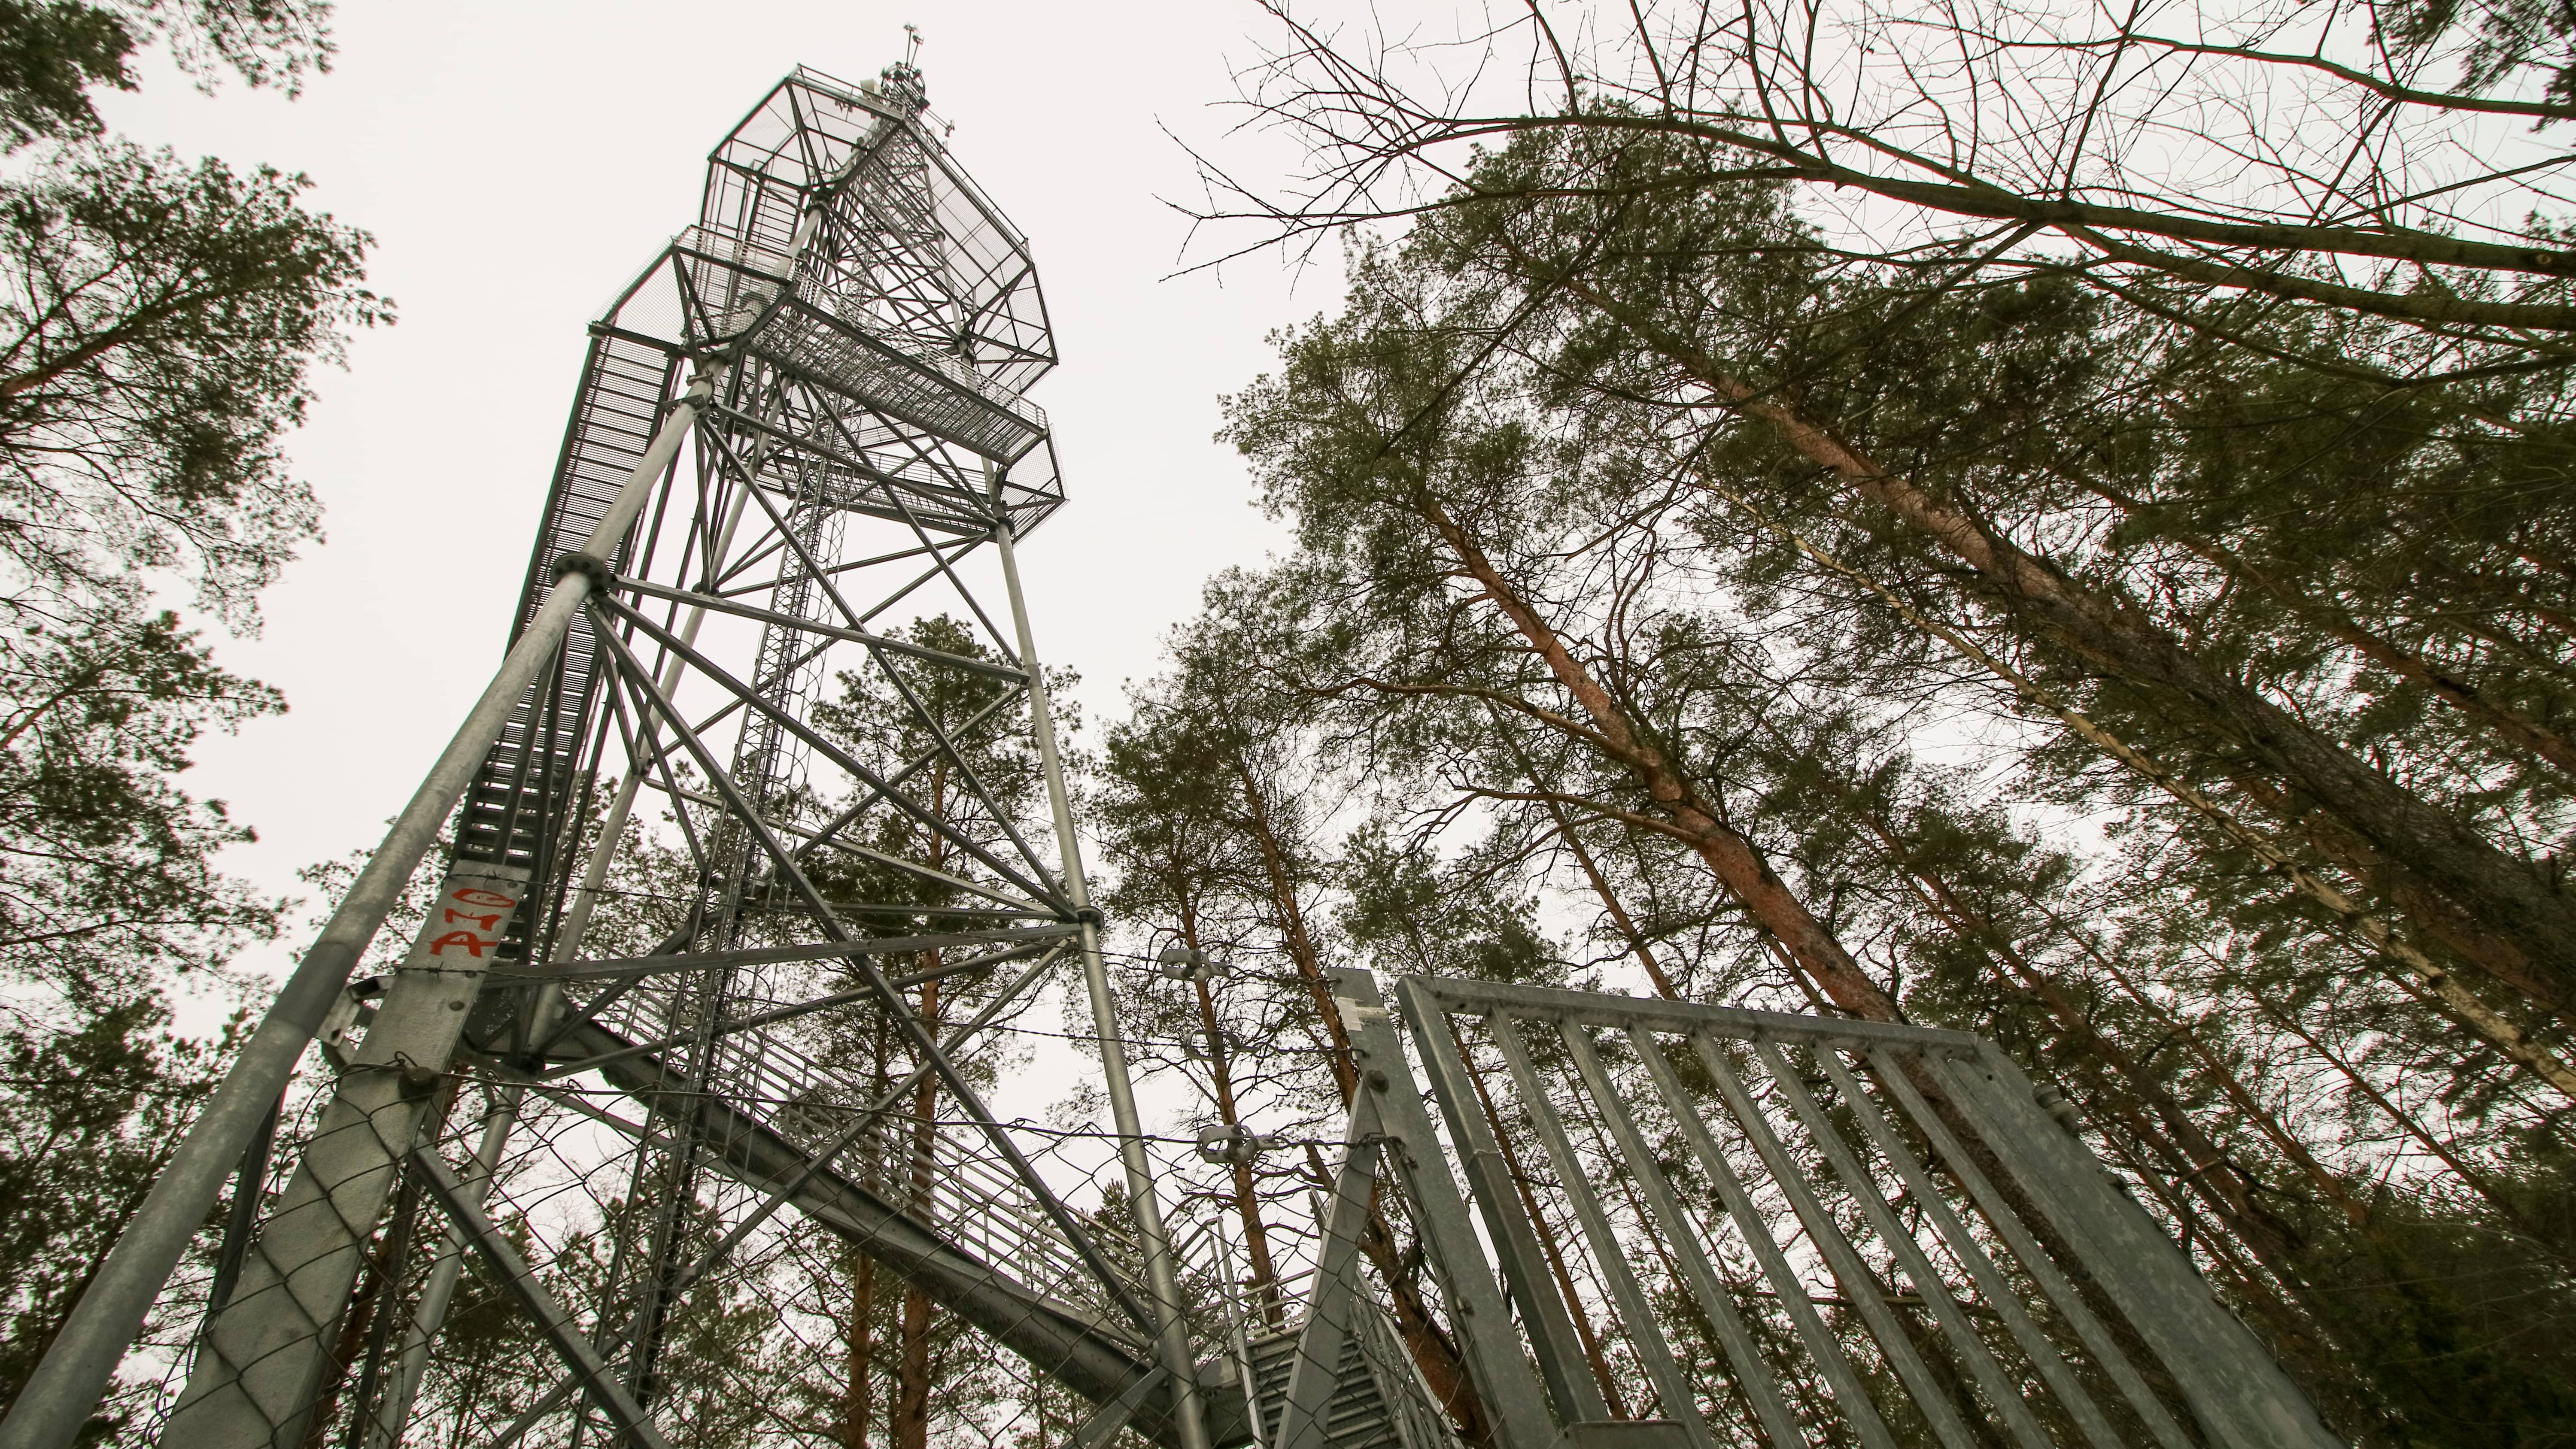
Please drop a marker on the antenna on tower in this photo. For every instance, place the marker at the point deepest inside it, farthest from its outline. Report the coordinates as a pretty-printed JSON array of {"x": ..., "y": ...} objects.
[{"x": 911, "y": 44}]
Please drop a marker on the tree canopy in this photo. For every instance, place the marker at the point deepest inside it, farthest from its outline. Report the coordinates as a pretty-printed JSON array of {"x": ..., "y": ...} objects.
[
  {"x": 2063, "y": 594},
  {"x": 160, "y": 319}
]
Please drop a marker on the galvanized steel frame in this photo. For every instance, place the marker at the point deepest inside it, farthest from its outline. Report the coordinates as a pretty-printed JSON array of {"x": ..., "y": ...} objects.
[
  {"x": 2141, "y": 1345},
  {"x": 859, "y": 322}
]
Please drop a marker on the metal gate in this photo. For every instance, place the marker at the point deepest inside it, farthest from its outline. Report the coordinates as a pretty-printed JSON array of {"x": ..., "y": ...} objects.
[{"x": 1717, "y": 1226}]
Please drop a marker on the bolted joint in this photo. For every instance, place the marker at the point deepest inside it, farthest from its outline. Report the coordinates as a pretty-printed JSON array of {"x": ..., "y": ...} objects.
[
  {"x": 2054, "y": 1101},
  {"x": 1089, "y": 916},
  {"x": 1184, "y": 963},
  {"x": 1230, "y": 1143},
  {"x": 589, "y": 566},
  {"x": 417, "y": 1081}
]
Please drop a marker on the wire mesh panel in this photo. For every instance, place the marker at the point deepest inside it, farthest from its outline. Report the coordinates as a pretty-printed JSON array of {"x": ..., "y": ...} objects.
[{"x": 1749, "y": 1228}]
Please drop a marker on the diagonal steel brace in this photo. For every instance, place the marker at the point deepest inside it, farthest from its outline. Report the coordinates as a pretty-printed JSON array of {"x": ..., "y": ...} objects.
[
  {"x": 1334, "y": 1317},
  {"x": 596, "y": 1378},
  {"x": 783, "y": 860}
]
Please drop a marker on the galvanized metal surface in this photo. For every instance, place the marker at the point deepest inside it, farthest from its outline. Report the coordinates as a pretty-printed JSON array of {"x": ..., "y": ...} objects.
[
  {"x": 1752, "y": 1227},
  {"x": 856, "y": 452},
  {"x": 1690, "y": 1225}
]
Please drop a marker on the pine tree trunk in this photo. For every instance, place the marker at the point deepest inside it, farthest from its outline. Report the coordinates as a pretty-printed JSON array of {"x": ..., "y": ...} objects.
[
  {"x": 2446, "y": 856},
  {"x": 2499, "y": 720},
  {"x": 2418, "y": 972},
  {"x": 1291, "y": 918},
  {"x": 858, "y": 1393},
  {"x": 1444, "y": 1368},
  {"x": 1732, "y": 858},
  {"x": 2426, "y": 842},
  {"x": 910, "y": 1428},
  {"x": 859, "y": 1388},
  {"x": 1620, "y": 920},
  {"x": 2433, "y": 914},
  {"x": 1247, "y": 1197}
]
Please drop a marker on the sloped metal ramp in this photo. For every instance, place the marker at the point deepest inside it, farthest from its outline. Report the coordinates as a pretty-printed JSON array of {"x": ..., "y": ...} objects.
[
  {"x": 936, "y": 394},
  {"x": 525, "y": 784},
  {"x": 1088, "y": 1352},
  {"x": 1715, "y": 1226}
]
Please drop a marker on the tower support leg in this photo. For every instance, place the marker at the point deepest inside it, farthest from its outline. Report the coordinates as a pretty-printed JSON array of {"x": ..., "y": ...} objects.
[
  {"x": 58, "y": 1397},
  {"x": 265, "y": 1351},
  {"x": 1161, "y": 1275}
]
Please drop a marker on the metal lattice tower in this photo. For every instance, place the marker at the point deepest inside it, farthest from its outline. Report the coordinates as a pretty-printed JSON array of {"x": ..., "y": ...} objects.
[
  {"x": 760, "y": 840},
  {"x": 799, "y": 434}
]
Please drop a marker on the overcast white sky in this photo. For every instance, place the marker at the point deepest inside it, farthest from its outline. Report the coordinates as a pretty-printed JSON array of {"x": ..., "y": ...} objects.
[{"x": 518, "y": 162}]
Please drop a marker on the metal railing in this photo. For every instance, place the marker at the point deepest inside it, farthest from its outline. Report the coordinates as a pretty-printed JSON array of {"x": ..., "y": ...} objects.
[
  {"x": 1751, "y": 1226},
  {"x": 966, "y": 1194}
]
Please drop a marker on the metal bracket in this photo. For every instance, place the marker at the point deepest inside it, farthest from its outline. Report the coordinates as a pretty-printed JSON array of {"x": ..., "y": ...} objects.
[
  {"x": 351, "y": 1011},
  {"x": 589, "y": 566}
]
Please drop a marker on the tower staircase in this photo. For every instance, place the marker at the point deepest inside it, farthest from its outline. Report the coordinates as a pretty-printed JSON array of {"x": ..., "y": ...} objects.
[{"x": 1379, "y": 1400}]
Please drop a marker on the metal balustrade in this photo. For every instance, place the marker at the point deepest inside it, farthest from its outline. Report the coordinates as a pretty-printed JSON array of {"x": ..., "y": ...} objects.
[
  {"x": 965, "y": 1194},
  {"x": 1717, "y": 1226}
]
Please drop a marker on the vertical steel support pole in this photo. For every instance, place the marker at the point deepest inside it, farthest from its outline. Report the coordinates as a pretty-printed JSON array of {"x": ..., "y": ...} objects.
[
  {"x": 1561, "y": 1360},
  {"x": 1645, "y": 1335},
  {"x": 1786, "y": 1289},
  {"x": 1674, "y": 1226},
  {"x": 58, "y": 1397},
  {"x": 1513, "y": 1402},
  {"x": 2035, "y": 1261},
  {"x": 267, "y": 1350},
  {"x": 1162, "y": 1278},
  {"x": 1859, "y": 1285}
]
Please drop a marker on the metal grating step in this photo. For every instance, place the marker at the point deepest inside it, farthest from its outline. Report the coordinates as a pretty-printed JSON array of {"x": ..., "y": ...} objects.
[
  {"x": 525, "y": 786},
  {"x": 942, "y": 396},
  {"x": 1357, "y": 1417}
]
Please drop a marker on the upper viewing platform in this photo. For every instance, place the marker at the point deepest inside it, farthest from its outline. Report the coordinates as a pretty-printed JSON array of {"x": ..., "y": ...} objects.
[{"x": 839, "y": 244}]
